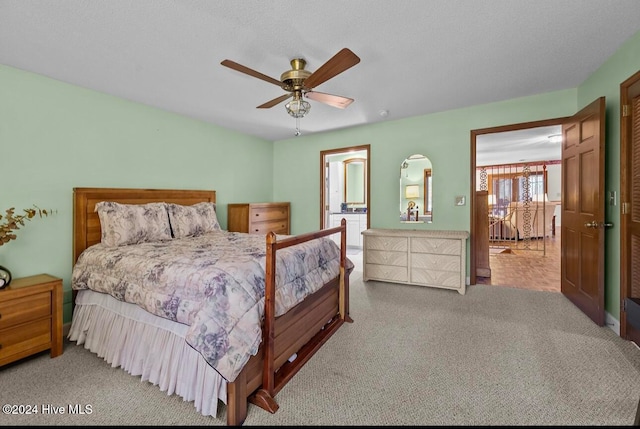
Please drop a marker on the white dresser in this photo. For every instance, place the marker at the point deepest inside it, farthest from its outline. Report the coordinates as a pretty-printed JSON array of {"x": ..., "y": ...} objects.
[{"x": 417, "y": 257}]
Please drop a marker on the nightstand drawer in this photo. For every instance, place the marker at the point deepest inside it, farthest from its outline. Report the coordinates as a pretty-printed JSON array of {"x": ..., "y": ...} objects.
[
  {"x": 277, "y": 226},
  {"x": 23, "y": 309},
  {"x": 259, "y": 214},
  {"x": 26, "y": 337}
]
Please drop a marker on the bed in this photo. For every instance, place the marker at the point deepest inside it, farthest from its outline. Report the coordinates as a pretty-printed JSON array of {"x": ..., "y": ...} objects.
[{"x": 164, "y": 349}]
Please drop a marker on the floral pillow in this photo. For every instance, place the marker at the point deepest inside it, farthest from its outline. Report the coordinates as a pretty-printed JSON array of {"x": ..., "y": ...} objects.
[
  {"x": 191, "y": 221},
  {"x": 124, "y": 224}
]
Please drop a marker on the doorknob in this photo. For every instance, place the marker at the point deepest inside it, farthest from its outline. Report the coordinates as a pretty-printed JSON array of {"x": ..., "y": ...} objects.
[{"x": 605, "y": 224}]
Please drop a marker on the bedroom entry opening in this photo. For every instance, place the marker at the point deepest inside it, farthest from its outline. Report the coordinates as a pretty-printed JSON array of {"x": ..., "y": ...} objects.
[
  {"x": 345, "y": 192},
  {"x": 516, "y": 174}
]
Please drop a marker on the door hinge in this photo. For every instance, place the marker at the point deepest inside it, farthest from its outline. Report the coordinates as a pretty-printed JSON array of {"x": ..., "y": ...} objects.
[
  {"x": 626, "y": 110},
  {"x": 626, "y": 208}
]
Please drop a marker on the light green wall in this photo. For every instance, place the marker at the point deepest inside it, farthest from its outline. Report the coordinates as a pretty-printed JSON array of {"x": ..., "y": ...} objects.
[
  {"x": 55, "y": 136},
  {"x": 605, "y": 82},
  {"x": 443, "y": 137}
]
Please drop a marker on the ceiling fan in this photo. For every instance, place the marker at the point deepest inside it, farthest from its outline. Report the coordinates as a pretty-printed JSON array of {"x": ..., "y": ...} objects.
[{"x": 300, "y": 83}]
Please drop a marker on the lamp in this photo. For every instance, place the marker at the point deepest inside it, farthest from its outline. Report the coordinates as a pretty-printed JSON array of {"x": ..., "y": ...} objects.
[
  {"x": 491, "y": 199},
  {"x": 412, "y": 191},
  {"x": 297, "y": 107}
]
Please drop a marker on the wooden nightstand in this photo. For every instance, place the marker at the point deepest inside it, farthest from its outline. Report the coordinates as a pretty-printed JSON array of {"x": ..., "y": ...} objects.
[
  {"x": 259, "y": 218},
  {"x": 30, "y": 317}
]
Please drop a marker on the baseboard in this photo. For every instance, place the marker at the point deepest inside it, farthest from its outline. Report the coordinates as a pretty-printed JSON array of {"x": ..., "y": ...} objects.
[{"x": 612, "y": 323}]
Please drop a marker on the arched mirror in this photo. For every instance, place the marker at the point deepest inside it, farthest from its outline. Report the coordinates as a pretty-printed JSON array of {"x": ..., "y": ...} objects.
[
  {"x": 416, "y": 190},
  {"x": 355, "y": 174}
]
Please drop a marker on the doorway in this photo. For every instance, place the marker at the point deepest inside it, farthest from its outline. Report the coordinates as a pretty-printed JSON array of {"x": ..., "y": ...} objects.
[
  {"x": 517, "y": 169},
  {"x": 345, "y": 192}
]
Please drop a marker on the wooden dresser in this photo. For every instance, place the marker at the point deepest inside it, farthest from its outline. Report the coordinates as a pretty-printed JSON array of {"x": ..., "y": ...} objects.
[
  {"x": 30, "y": 317},
  {"x": 259, "y": 218},
  {"x": 416, "y": 257}
]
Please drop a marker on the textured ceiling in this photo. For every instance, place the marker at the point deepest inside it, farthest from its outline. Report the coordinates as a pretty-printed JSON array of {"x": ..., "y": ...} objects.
[{"x": 417, "y": 57}]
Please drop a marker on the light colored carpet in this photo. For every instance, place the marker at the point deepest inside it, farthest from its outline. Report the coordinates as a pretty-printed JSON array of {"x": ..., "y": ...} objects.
[{"x": 414, "y": 356}]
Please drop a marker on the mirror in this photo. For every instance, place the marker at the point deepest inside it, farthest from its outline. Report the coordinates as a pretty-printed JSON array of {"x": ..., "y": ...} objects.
[
  {"x": 416, "y": 190},
  {"x": 355, "y": 173}
]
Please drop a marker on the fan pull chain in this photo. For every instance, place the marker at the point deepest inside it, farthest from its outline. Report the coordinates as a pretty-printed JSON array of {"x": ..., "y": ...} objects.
[{"x": 297, "y": 127}]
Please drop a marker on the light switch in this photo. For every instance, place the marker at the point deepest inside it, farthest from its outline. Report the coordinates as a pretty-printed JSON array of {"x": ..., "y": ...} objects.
[{"x": 612, "y": 198}]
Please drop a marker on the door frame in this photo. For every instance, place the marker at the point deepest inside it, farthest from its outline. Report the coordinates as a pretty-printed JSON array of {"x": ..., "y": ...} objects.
[
  {"x": 323, "y": 170},
  {"x": 474, "y": 136}
]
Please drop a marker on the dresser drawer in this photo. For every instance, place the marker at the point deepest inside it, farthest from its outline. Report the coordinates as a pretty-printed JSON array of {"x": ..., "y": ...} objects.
[
  {"x": 448, "y": 279},
  {"x": 259, "y": 214},
  {"x": 398, "y": 244},
  {"x": 277, "y": 226},
  {"x": 25, "y": 308},
  {"x": 440, "y": 246},
  {"x": 436, "y": 262},
  {"x": 383, "y": 257},
  {"x": 386, "y": 273},
  {"x": 33, "y": 335}
]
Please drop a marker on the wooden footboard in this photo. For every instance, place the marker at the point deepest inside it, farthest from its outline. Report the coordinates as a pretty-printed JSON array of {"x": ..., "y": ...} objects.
[{"x": 300, "y": 332}]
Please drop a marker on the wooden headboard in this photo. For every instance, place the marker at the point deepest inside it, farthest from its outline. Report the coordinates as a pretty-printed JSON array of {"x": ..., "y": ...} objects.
[{"x": 86, "y": 223}]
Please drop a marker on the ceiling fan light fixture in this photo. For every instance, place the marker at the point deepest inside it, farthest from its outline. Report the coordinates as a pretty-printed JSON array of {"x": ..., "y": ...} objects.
[{"x": 298, "y": 108}]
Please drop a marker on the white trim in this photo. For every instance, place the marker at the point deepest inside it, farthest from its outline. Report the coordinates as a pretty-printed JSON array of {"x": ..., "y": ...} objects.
[{"x": 612, "y": 323}]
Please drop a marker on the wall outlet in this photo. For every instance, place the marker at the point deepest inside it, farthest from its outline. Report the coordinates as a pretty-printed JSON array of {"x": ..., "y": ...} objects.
[{"x": 461, "y": 200}]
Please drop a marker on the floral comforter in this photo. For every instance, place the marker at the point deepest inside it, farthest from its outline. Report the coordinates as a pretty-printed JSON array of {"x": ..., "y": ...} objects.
[{"x": 213, "y": 283}]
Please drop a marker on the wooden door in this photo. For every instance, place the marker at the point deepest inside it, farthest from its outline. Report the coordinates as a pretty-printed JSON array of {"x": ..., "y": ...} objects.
[
  {"x": 630, "y": 205},
  {"x": 583, "y": 205}
]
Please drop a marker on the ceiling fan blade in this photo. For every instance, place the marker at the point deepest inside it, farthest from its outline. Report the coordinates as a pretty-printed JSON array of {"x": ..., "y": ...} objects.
[
  {"x": 274, "y": 101},
  {"x": 343, "y": 60},
  {"x": 332, "y": 100},
  {"x": 246, "y": 70}
]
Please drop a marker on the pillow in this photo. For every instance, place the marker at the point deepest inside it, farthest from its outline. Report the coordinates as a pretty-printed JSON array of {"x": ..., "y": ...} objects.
[
  {"x": 191, "y": 221},
  {"x": 124, "y": 224}
]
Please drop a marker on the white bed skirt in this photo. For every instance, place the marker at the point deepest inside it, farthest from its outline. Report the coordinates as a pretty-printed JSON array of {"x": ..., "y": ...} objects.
[{"x": 143, "y": 344}]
